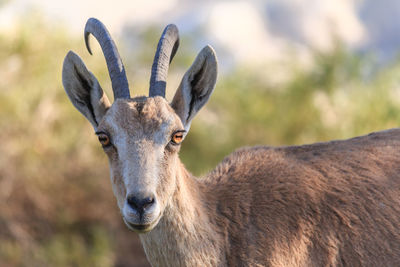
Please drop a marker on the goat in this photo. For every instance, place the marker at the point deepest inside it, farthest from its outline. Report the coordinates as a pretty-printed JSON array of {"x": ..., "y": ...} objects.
[{"x": 325, "y": 204}]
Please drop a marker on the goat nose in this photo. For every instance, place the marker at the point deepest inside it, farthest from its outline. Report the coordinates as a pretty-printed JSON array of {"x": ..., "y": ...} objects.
[{"x": 140, "y": 204}]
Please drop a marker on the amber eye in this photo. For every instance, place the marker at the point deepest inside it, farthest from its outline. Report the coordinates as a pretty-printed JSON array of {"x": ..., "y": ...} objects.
[
  {"x": 104, "y": 139},
  {"x": 177, "y": 137}
]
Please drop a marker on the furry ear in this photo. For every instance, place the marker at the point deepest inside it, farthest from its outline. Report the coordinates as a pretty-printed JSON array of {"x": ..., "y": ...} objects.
[
  {"x": 83, "y": 89},
  {"x": 196, "y": 86}
]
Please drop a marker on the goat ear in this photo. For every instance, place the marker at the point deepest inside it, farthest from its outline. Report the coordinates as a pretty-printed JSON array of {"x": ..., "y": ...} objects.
[
  {"x": 196, "y": 86},
  {"x": 83, "y": 89}
]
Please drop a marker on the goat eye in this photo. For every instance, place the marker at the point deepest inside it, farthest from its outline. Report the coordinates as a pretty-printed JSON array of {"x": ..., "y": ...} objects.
[
  {"x": 177, "y": 138},
  {"x": 104, "y": 139}
]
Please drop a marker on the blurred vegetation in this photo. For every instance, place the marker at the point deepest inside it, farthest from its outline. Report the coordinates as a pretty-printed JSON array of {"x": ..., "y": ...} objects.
[{"x": 57, "y": 204}]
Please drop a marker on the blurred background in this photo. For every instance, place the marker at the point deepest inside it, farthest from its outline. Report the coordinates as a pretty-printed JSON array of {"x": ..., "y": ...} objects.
[{"x": 291, "y": 72}]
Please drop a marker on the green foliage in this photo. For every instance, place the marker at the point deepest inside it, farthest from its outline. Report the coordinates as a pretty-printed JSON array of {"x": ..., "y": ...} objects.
[{"x": 58, "y": 208}]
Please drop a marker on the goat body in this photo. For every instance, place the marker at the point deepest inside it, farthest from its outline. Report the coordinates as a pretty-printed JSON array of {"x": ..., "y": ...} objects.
[{"x": 326, "y": 204}]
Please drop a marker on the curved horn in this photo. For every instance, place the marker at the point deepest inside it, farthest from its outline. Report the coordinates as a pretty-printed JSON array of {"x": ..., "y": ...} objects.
[
  {"x": 114, "y": 63},
  {"x": 166, "y": 49}
]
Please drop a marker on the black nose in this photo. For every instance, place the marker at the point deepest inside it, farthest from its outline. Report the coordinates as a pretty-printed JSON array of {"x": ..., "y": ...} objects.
[{"x": 140, "y": 204}]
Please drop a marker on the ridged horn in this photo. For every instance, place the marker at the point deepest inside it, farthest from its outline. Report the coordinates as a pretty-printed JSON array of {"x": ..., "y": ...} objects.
[
  {"x": 114, "y": 63},
  {"x": 166, "y": 49}
]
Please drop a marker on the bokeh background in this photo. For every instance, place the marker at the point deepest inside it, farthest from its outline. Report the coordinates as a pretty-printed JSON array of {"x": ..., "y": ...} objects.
[{"x": 291, "y": 72}]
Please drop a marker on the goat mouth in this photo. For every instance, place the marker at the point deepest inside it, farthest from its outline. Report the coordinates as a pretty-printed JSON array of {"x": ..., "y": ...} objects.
[{"x": 141, "y": 228}]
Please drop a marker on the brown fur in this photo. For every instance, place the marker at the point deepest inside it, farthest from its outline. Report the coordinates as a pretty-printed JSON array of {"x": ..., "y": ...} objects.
[{"x": 326, "y": 204}]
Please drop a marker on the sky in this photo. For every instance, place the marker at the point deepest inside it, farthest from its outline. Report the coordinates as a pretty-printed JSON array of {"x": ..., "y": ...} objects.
[{"x": 252, "y": 32}]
